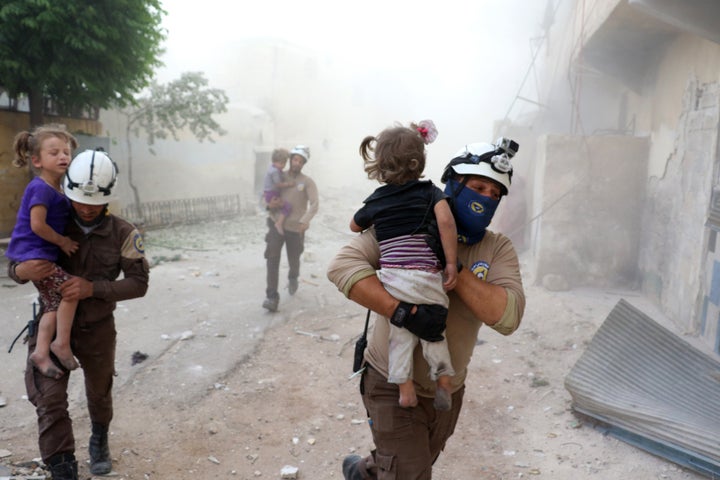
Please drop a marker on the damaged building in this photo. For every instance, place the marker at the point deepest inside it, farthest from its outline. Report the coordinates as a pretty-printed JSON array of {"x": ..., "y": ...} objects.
[
  {"x": 625, "y": 194},
  {"x": 624, "y": 178}
]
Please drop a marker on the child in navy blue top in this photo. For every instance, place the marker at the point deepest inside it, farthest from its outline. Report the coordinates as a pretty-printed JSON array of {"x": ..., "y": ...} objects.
[{"x": 416, "y": 232}]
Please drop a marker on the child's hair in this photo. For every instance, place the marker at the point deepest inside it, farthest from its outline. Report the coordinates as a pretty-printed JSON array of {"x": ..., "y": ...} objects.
[
  {"x": 280, "y": 155},
  {"x": 28, "y": 144},
  {"x": 399, "y": 154}
]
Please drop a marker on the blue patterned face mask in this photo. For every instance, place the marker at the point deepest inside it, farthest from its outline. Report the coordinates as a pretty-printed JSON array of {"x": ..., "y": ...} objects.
[{"x": 473, "y": 212}]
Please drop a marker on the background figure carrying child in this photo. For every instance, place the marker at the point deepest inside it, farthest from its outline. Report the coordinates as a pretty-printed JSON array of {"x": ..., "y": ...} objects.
[
  {"x": 409, "y": 215},
  {"x": 275, "y": 181},
  {"x": 38, "y": 234}
]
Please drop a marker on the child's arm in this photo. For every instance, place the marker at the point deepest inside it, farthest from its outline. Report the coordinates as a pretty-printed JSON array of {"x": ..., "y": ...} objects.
[
  {"x": 39, "y": 226},
  {"x": 448, "y": 238}
]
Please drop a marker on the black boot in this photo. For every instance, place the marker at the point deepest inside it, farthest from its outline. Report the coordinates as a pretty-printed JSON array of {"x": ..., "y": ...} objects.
[
  {"x": 100, "y": 463},
  {"x": 63, "y": 466}
]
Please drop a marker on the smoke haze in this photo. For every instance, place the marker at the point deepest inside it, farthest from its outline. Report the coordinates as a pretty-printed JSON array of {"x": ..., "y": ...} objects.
[{"x": 327, "y": 74}]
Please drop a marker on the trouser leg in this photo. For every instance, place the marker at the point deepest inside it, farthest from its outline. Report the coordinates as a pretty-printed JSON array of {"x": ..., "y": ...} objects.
[
  {"x": 94, "y": 347},
  {"x": 295, "y": 245},
  {"x": 274, "y": 243},
  {"x": 408, "y": 441},
  {"x": 49, "y": 396}
]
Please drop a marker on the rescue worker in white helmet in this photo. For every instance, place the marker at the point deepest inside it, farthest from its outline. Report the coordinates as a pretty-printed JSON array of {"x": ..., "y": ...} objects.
[
  {"x": 108, "y": 246},
  {"x": 89, "y": 180},
  {"x": 489, "y": 291},
  {"x": 304, "y": 203},
  {"x": 474, "y": 209}
]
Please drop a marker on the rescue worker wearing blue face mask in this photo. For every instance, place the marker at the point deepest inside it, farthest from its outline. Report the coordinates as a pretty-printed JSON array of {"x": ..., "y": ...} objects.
[
  {"x": 475, "y": 180},
  {"x": 488, "y": 291}
]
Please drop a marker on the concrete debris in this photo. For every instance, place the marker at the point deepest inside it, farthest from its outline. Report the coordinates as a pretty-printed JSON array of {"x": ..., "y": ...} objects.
[
  {"x": 289, "y": 472},
  {"x": 186, "y": 335},
  {"x": 32, "y": 470},
  {"x": 3, "y": 402},
  {"x": 213, "y": 460}
]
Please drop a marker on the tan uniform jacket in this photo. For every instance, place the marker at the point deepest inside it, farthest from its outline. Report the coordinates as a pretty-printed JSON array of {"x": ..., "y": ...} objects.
[
  {"x": 303, "y": 198},
  {"x": 493, "y": 260}
]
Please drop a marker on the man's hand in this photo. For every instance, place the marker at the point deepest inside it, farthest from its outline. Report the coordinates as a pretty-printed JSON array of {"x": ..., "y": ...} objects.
[
  {"x": 302, "y": 227},
  {"x": 76, "y": 289},
  {"x": 34, "y": 270},
  {"x": 427, "y": 321}
]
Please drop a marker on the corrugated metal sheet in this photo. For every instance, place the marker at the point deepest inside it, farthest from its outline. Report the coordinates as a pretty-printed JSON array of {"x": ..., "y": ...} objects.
[{"x": 640, "y": 378}]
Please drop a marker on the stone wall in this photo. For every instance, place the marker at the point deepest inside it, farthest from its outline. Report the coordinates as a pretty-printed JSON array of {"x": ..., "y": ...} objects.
[{"x": 678, "y": 253}]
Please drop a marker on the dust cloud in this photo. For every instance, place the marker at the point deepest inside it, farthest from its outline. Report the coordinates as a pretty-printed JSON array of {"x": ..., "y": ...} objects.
[{"x": 326, "y": 74}]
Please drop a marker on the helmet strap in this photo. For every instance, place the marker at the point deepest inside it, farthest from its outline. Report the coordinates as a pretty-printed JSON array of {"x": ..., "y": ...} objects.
[{"x": 460, "y": 185}]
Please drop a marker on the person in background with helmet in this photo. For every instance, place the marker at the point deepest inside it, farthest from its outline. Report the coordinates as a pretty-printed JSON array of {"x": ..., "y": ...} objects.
[
  {"x": 304, "y": 203},
  {"x": 38, "y": 234},
  {"x": 488, "y": 291},
  {"x": 107, "y": 246}
]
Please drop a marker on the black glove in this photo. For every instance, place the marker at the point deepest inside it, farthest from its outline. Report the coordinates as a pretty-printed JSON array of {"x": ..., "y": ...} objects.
[{"x": 428, "y": 322}]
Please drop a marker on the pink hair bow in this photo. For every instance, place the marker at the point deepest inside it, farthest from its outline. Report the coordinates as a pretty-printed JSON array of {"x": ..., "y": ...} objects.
[{"x": 427, "y": 131}]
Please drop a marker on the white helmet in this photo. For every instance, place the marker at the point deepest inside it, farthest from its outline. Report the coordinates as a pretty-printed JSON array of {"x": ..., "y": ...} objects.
[
  {"x": 301, "y": 150},
  {"x": 484, "y": 159},
  {"x": 90, "y": 178}
]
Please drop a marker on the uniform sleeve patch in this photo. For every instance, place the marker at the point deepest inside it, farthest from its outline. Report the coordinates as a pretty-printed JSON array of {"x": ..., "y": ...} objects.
[
  {"x": 480, "y": 269},
  {"x": 134, "y": 246}
]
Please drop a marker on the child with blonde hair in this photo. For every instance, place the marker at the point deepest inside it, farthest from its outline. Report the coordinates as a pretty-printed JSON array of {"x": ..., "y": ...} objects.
[{"x": 38, "y": 234}]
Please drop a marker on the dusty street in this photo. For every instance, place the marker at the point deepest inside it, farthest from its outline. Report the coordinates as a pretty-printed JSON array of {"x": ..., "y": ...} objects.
[{"x": 231, "y": 391}]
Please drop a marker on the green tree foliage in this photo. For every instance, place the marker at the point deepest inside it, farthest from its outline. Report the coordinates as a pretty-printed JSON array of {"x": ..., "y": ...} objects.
[
  {"x": 185, "y": 104},
  {"x": 78, "y": 53}
]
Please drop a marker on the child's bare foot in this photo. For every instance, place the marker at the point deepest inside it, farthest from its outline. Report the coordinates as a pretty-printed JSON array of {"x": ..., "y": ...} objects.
[
  {"x": 65, "y": 355},
  {"x": 279, "y": 228},
  {"x": 45, "y": 365},
  {"x": 407, "y": 395},
  {"x": 443, "y": 399}
]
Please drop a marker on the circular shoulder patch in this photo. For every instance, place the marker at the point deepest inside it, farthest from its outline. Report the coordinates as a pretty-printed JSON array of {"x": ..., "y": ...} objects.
[
  {"x": 480, "y": 269},
  {"x": 138, "y": 243}
]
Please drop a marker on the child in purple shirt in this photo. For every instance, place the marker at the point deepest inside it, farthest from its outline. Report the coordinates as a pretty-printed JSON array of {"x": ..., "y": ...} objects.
[
  {"x": 274, "y": 183},
  {"x": 41, "y": 219}
]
